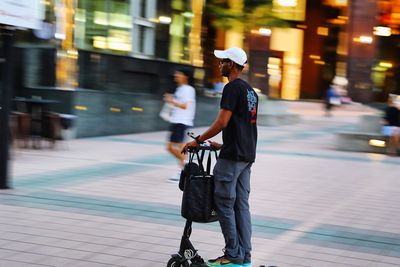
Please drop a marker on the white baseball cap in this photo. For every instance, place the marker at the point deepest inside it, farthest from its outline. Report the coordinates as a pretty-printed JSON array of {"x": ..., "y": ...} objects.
[{"x": 235, "y": 54}]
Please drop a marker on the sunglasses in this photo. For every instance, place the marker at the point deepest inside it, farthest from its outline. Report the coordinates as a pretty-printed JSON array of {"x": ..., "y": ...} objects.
[{"x": 225, "y": 60}]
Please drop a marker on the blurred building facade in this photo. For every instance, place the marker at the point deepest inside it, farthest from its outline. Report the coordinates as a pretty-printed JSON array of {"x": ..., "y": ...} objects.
[
  {"x": 87, "y": 35},
  {"x": 91, "y": 53},
  {"x": 110, "y": 61},
  {"x": 354, "y": 40},
  {"x": 88, "y": 40}
]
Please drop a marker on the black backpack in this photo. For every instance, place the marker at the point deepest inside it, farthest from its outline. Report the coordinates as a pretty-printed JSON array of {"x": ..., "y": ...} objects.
[
  {"x": 191, "y": 168},
  {"x": 198, "y": 189}
]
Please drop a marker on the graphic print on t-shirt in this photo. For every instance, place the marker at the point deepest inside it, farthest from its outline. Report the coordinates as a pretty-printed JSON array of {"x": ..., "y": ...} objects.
[{"x": 252, "y": 105}]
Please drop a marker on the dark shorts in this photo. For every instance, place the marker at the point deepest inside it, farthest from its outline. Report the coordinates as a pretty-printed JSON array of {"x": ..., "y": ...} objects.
[{"x": 178, "y": 131}]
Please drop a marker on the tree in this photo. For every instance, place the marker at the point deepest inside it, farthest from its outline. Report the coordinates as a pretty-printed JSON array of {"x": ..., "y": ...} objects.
[
  {"x": 245, "y": 14},
  {"x": 238, "y": 19}
]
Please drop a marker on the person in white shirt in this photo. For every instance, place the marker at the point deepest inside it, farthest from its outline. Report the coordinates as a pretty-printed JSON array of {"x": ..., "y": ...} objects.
[{"x": 182, "y": 115}]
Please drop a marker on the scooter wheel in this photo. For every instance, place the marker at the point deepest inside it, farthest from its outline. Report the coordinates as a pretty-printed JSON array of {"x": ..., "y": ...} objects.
[{"x": 175, "y": 262}]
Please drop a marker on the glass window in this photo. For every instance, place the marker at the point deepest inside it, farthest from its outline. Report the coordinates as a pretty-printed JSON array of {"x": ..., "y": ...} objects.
[
  {"x": 103, "y": 25},
  {"x": 143, "y": 35},
  {"x": 143, "y": 8},
  {"x": 185, "y": 33}
]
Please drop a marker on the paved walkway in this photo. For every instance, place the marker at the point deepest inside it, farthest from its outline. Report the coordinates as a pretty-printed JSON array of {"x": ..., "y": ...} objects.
[{"x": 105, "y": 201}]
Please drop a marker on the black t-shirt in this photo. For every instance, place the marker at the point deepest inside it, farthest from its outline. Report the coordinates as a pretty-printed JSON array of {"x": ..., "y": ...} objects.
[
  {"x": 240, "y": 135},
  {"x": 392, "y": 116}
]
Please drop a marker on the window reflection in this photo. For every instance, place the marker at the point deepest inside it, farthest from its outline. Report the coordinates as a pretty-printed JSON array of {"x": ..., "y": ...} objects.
[{"x": 103, "y": 25}]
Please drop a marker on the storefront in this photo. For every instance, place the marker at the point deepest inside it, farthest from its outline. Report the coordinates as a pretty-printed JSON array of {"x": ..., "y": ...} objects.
[
  {"x": 110, "y": 62},
  {"x": 386, "y": 68}
]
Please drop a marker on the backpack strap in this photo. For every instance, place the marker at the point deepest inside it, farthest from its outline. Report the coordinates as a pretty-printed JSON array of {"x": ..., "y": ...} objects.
[
  {"x": 209, "y": 162},
  {"x": 191, "y": 157},
  {"x": 200, "y": 160},
  {"x": 203, "y": 152},
  {"x": 211, "y": 151},
  {"x": 200, "y": 155}
]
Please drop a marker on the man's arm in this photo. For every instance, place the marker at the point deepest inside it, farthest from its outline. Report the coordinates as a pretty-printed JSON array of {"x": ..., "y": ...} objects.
[
  {"x": 180, "y": 105},
  {"x": 218, "y": 125},
  {"x": 170, "y": 99}
]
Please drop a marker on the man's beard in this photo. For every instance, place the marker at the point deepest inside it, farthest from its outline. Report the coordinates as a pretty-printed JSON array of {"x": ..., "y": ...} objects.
[{"x": 225, "y": 73}]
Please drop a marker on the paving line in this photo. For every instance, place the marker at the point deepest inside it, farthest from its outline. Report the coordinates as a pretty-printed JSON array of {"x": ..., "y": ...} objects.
[
  {"x": 342, "y": 157},
  {"x": 102, "y": 170},
  {"x": 163, "y": 161},
  {"x": 296, "y": 234},
  {"x": 137, "y": 210},
  {"x": 10, "y": 262},
  {"x": 263, "y": 227}
]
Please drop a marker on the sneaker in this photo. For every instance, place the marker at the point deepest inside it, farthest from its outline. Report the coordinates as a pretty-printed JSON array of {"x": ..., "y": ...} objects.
[
  {"x": 222, "y": 261},
  {"x": 247, "y": 261}
]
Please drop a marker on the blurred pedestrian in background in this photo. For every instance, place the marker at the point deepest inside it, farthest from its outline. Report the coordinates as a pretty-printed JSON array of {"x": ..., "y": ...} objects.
[
  {"x": 340, "y": 83},
  {"x": 336, "y": 94},
  {"x": 237, "y": 119},
  {"x": 331, "y": 100},
  {"x": 183, "y": 103},
  {"x": 391, "y": 127}
]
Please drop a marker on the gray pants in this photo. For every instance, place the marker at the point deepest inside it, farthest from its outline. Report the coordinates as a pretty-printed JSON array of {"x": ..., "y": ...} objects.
[{"x": 231, "y": 196}]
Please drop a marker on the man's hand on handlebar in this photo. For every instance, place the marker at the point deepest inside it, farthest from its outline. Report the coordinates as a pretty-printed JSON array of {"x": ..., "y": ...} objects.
[
  {"x": 196, "y": 144},
  {"x": 214, "y": 145},
  {"x": 192, "y": 144}
]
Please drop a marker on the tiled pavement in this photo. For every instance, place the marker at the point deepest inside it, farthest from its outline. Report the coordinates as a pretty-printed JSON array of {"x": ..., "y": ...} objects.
[{"x": 105, "y": 201}]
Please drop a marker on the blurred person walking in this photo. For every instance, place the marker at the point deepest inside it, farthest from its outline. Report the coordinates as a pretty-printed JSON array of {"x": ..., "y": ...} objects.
[
  {"x": 331, "y": 100},
  {"x": 237, "y": 119},
  {"x": 183, "y": 103},
  {"x": 391, "y": 127}
]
